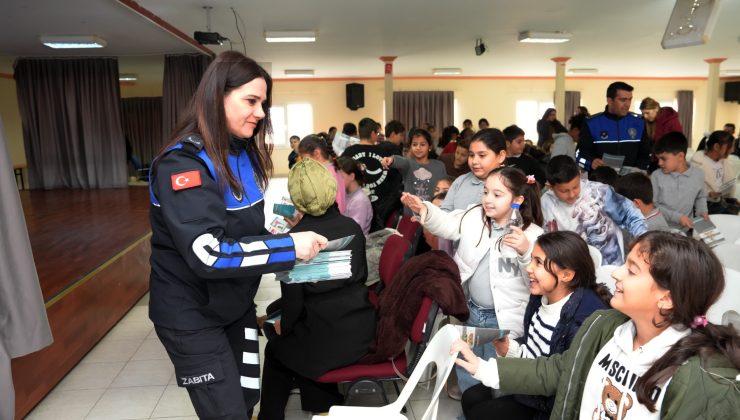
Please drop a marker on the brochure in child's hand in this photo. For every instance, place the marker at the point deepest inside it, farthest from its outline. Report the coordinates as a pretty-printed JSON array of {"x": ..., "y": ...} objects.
[
  {"x": 476, "y": 336},
  {"x": 707, "y": 232},
  {"x": 332, "y": 263}
]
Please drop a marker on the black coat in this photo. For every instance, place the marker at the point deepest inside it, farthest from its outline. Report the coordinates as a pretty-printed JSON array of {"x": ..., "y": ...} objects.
[{"x": 327, "y": 324}]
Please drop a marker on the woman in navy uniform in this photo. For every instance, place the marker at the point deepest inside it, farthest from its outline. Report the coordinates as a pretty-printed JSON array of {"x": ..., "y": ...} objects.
[{"x": 209, "y": 244}]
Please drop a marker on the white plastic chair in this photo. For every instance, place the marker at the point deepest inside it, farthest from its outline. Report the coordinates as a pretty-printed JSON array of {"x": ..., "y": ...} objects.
[
  {"x": 728, "y": 300},
  {"x": 604, "y": 275},
  {"x": 595, "y": 255},
  {"x": 438, "y": 352}
]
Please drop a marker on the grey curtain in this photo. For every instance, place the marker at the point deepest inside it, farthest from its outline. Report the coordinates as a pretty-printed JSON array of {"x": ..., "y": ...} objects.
[
  {"x": 686, "y": 111},
  {"x": 70, "y": 111},
  {"x": 24, "y": 327},
  {"x": 182, "y": 73},
  {"x": 572, "y": 102},
  {"x": 415, "y": 108},
  {"x": 142, "y": 126}
]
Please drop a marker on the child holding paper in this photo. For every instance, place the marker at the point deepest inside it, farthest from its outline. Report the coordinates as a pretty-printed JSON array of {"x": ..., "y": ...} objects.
[
  {"x": 562, "y": 280},
  {"x": 323, "y": 325},
  {"x": 655, "y": 356}
]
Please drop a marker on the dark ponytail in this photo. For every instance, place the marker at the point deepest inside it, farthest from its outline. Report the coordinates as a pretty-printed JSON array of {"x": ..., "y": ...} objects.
[
  {"x": 568, "y": 250},
  {"x": 690, "y": 271}
]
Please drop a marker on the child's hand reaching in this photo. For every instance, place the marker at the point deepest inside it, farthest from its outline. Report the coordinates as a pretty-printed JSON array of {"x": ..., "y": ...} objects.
[
  {"x": 502, "y": 346},
  {"x": 386, "y": 162},
  {"x": 470, "y": 361},
  {"x": 412, "y": 202},
  {"x": 685, "y": 221},
  {"x": 517, "y": 240}
]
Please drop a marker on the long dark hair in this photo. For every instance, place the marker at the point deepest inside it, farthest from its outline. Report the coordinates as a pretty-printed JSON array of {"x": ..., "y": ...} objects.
[
  {"x": 313, "y": 142},
  {"x": 567, "y": 250},
  {"x": 205, "y": 116},
  {"x": 515, "y": 180},
  {"x": 690, "y": 271},
  {"x": 350, "y": 166}
]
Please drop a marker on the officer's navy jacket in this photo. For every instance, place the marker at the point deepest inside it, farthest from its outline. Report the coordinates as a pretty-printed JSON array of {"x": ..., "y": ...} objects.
[
  {"x": 209, "y": 247},
  {"x": 607, "y": 133}
]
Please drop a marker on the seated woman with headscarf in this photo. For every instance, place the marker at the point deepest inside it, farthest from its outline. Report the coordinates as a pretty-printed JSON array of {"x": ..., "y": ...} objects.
[{"x": 323, "y": 325}]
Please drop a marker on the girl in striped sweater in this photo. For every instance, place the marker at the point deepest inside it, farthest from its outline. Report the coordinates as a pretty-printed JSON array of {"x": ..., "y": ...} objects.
[{"x": 562, "y": 281}]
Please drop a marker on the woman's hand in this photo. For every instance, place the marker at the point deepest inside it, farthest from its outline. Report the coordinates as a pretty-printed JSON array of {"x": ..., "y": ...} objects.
[
  {"x": 307, "y": 244},
  {"x": 470, "y": 361},
  {"x": 502, "y": 346},
  {"x": 517, "y": 240},
  {"x": 386, "y": 162}
]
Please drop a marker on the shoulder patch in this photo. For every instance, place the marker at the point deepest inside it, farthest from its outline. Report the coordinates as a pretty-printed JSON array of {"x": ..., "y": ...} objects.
[
  {"x": 193, "y": 140},
  {"x": 185, "y": 180}
]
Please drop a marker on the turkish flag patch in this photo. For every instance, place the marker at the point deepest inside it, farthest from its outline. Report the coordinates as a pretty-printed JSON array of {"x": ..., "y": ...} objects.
[{"x": 186, "y": 180}]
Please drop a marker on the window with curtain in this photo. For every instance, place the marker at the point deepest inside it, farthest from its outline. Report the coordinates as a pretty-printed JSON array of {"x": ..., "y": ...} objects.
[
  {"x": 142, "y": 126},
  {"x": 182, "y": 73},
  {"x": 71, "y": 116},
  {"x": 685, "y": 109},
  {"x": 418, "y": 107}
]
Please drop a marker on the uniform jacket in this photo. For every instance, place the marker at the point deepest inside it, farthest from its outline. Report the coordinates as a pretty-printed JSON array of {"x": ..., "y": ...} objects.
[
  {"x": 607, "y": 133},
  {"x": 510, "y": 295},
  {"x": 209, "y": 247},
  {"x": 698, "y": 389}
]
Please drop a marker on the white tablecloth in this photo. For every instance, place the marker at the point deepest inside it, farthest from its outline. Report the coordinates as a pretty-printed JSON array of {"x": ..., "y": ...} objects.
[{"x": 729, "y": 225}]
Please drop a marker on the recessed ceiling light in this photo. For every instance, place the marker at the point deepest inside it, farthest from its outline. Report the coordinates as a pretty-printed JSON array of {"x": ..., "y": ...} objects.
[
  {"x": 127, "y": 77},
  {"x": 72, "y": 41},
  {"x": 299, "y": 72},
  {"x": 730, "y": 72},
  {"x": 544, "y": 37},
  {"x": 290, "y": 36},
  {"x": 446, "y": 71},
  {"x": 583, "y": 71}
]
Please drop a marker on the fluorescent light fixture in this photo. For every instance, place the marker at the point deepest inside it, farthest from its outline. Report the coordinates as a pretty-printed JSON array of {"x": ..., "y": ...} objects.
[
  {"x": 544, "y": 37},
  {"x": 446, "y": 71},
  {"x": 299, "y": 72},
  {"x": 72, "y": 41},
  {"x": 290, "y": 36},
  {"x": 583, "y": 71},
  {"x": 691, "y": 23},
  {"x": 732, "y": 72},
  {"x": 127, "y": 77}
]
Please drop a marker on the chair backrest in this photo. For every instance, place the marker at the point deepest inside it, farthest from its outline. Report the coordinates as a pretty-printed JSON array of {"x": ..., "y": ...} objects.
[
  {"x": 728, "y": 300},
  {"x": 437, "y": 352},
  {"x": 595, "y": 255},
  {"x": 392, "y": 257},
  {"x": 604, "y": 275},
  {"x": 392, "y": 220},
  {"x": 410, "y": 230}
]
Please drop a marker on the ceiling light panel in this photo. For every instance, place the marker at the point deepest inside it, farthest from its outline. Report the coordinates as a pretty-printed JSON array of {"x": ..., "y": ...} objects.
[
  {"x": 290, "y": 36},
  {"x": 72, "y": 41},
  {"x": 544, "y": 37}
]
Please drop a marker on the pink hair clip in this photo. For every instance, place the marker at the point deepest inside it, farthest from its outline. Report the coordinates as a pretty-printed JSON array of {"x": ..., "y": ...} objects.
[
  {"x": 699, "y": 321},
  {"x": 530, "y": 179}
]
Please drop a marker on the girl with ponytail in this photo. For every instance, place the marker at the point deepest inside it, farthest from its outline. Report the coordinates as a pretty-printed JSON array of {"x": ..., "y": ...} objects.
[{"x": 655, "y": 356}]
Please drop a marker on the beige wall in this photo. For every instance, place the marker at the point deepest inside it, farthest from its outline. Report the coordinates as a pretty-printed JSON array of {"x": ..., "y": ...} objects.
[{"x": 493, "y": 98}]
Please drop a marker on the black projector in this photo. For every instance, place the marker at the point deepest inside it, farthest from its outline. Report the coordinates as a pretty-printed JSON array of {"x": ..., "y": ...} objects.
[{"x": 209, "y": 38}]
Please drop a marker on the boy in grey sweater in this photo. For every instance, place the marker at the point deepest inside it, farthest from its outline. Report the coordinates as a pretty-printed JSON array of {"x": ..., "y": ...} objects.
[{"x": 678, "y": 188}]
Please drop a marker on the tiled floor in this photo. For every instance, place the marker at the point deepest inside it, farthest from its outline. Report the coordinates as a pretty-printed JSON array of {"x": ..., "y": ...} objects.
[{"x": 128, "y": 375}]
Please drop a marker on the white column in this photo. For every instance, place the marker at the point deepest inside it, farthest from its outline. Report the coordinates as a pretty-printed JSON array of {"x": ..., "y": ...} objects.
[
  {"x": 560, "y": 86},
  {"x": 713, "y": 92},
  {"x": 388, "y": 72}
]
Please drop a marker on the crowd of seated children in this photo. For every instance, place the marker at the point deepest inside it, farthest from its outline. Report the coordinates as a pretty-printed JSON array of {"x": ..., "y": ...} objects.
[
  {"x": 591, "y": 209},
  {"x": 492, "y": 256},
  {"x": 322, "y": 325},
  {"x": 564, "y": 292},
  {"x": 678, "y": 187},
  {"x": 655, "y": 355}
]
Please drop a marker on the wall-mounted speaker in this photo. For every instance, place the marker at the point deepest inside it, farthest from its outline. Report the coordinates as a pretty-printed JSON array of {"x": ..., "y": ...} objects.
[
  {"x": 355, "y": 96},
  {"x": 732, "y": 91}
]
